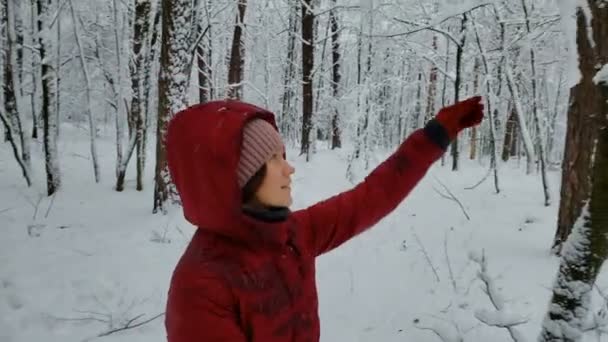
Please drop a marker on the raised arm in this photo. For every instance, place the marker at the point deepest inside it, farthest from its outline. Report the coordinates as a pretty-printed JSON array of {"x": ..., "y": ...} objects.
[{"x": 330, "y": 223}]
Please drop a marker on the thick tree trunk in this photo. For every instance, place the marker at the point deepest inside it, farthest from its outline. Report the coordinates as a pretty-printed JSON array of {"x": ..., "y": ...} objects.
[
  {"x": 237, "y": 55},
  {"x": 307, "y": 65},
  {"x": 174, "y": 62},
  {"x": 459, "y": 51},
  {"x": 584, "y": 202},
  {"x": 49, "y": 117},
  {"x": 135, "y": 113}
]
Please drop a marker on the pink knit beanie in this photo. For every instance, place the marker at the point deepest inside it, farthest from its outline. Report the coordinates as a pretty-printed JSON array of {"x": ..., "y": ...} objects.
[{"x": 260, "y": 141}]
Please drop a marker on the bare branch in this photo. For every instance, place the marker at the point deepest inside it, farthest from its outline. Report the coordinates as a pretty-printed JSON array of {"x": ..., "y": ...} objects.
[
  {"x": 129, "y": 326},
  {"x": 452, "y": 197}
]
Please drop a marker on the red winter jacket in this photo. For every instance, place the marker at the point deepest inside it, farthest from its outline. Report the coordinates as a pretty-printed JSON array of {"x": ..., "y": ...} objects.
[{"x": 242, "y": 279}]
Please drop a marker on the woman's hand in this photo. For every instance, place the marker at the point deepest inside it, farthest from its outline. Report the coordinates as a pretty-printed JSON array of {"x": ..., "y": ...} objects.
[{"x": 461, "y": 115}]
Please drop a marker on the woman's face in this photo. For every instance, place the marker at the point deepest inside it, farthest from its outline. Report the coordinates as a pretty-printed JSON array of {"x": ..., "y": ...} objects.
[{"x": 275, "y": 189}]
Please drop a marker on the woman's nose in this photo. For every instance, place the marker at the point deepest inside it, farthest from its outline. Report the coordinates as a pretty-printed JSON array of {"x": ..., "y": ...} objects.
[{"x": 289, "y": 169}]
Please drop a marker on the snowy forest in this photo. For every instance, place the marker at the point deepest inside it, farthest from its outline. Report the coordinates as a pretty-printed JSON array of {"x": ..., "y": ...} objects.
[{"x": 503, "y": 241}]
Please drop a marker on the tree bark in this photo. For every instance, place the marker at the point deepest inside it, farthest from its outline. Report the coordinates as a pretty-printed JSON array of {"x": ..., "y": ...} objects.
[
  {"x": 141, "y": 25},
  {"x": 336, "y": 141},
  {"x": 49, "y": 117},
  {"x": 149, "y": 60},
  {"x": 174, "y": 62},
  {"x": 287, "y": 117},
  {"x": 459, "y": 51},
  {"x": 237, "y": 55},
  {"x": 584, "y": 202},
  {"x": 307, "y": 65}
]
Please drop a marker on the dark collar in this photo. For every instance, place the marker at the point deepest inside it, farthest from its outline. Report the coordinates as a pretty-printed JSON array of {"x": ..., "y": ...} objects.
[{"x": 268, "y": 214}]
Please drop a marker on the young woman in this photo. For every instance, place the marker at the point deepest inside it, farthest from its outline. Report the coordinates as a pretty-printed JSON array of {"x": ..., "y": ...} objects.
[{"x": 248, "y": 274}]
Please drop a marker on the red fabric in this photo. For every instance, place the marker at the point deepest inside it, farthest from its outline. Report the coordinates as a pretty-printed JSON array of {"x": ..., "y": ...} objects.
[
  {"x": 461, "y": 115},
  {"x": 241, "y": 279}
]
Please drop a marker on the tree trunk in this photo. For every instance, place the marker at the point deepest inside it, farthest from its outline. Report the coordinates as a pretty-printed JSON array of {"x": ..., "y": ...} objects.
[
  {"x": 336, "y": 141},
  {"x": 174, "y": 60},
  {"x": 288, "y": 116},
  {"x": 582, "y": 129},
  {"x": 49, "y": 117},
  {"x": 432, "y": 90},
  {"x": 141, "y": 26},
  {"x": 519, "y": 113},
  {"x": 584, "y": 202},
  {"x": 88, "y": 89},
  {"x": 509, "y": 146},
  {"x": 9, "y": 135},
  {"x": 459, "y": 51},
  {"x": 237, "y": 55},
  {"x": 203, "y": 62},
  {"x": 540, "y": 136},
  {"x": 473, "y": 142},
  {"x": 307, "y": 65},
  {"x": 34, "y": 92},
  {"x": 147, "y": 85},
  {"x": 13, "y": 91}
]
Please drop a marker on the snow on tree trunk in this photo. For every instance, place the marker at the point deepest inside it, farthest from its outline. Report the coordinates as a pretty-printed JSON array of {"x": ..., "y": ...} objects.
[
  {"x": 10, "y": 138},
  {"x": 287, "y": 118},
  {"x": 521, "y": 120},
  {"x": 459, "y": 51},
  {"x": 150, "y": 57},
  {"x": 135, "y": 114},
  {"x": 13, "y": 90},
  {"x": 490, "y": 104},
  {"x": 586, "y": 179},
  {"x": 89, "y": 109},
  {"x": 308, "y": 21},
  {"x": 172, "y": 85},
  {"x": 336, "y": 141},
  {"x": 237, "y": 55},
  {"x": 121, "y": 160},
  {"x": 587, "y": 103},
  {"x": 49, "y": 117}
]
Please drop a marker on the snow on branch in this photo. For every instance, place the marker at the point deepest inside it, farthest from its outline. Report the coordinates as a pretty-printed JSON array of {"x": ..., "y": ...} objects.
[{"x": 501, "y": 317}]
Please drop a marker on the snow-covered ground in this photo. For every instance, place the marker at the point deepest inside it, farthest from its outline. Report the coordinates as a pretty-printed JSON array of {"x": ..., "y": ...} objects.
[{"x": 88, "y": 260}]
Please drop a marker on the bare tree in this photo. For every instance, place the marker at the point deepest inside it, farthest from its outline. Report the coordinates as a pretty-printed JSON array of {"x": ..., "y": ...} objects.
[
  {"x": 13, "y": 91},
  {"x": 237, "y": 55},
  {"x": 287, "y": 115},
  {"x": 540, "y": 141},
  {"x": 336, "y": 141},
  {"x": 172, "y": 85},
  {"x": 308, "y": 21},
  {"x": 141, "y": 25},
  {"x": 49, "y": 117},
  {"x": 89, "y": 108},
  {"x": 584, "y": 202}
]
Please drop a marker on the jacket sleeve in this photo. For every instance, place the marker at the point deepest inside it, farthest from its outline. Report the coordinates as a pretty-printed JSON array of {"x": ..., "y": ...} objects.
[
  {"x": 204, "y": 311},
  {"x": 329, "y": 223}
]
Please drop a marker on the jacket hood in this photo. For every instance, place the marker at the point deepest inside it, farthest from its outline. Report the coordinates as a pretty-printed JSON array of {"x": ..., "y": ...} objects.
[{"x": 203, "y": 150}]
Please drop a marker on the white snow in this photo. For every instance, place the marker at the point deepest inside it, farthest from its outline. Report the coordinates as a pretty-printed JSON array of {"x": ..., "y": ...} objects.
[
  {"x": 90, "y": 259},
  {"x": 601, "y": 77}
]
